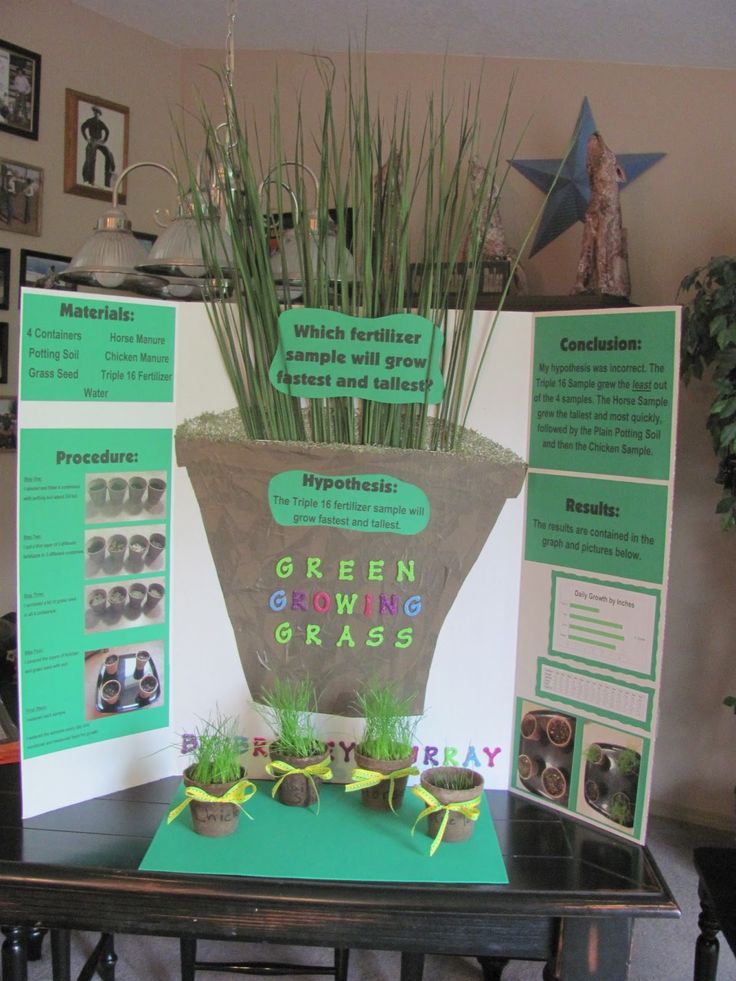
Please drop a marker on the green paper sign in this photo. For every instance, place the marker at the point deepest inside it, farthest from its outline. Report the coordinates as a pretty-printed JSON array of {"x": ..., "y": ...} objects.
[
  {"x": 369, "y": 502},
  {"x": 96, "y": 351},
  {"x": 326, "y": 354}
]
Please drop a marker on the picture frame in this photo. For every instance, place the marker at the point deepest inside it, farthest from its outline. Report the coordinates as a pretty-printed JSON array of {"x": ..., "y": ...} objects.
[
  {"x": 20, "y": 90},
  {"x": 95, "y": 145},
  {"x": 4, "y": 334},
  {"x": 21, "y": 197},
  {"x": 4, "y": 279},
  {"x": 38, "y": 269},
  {"x": 8, "y": 424}
]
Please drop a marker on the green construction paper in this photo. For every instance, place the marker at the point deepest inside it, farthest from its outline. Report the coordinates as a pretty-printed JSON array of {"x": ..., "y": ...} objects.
[
  {"x": 371, "y": 502},
  {"x": 345, "y": 841},
  {"x": 326, "y": 353}
]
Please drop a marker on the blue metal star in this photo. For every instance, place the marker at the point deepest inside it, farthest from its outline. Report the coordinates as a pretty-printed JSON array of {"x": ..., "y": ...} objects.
[{"x": 570, "y": 196}]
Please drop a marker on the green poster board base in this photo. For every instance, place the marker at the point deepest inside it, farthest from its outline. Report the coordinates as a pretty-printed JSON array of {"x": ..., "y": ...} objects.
[{"x": 345, "y": 841}]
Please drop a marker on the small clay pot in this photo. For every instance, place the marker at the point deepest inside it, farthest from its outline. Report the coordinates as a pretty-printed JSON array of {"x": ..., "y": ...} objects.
[
  {"x": 377, "y": 798},
  {"x": 137, "y": 593},
  {"x": 597, "y": 757},
  {"x": 156, "y": 545},
  {"x": 136, "y": 489},
  {"x": 142, "y": 661},
  {"x": 117, "y": 598},
  {"x": 112, "y": 662},
  {"x": 554, "y": 783},
  {"x": 137, "y": 548},
  {"x": 211, "y": 819},
  {"x": 117, "y": 488},
  {"x": 110, "y": 692},
  {"x": 459, "y": 827},
  {"x": 531, "y": 728},
  {"x": 156, "y": 488},
  {"x": 559, "y": 731},
  {"x": 296, "y": 790},
  {"x": 97, "y": 601},
  {"x": 96, "y": 551},
  {"x": 98, "y": 491},
  {"x": 116, "y": 546},
  {"x": 155, "y": 594},
  {"x": 147, "y": 688},
  {"x": 528, "y": 767}
]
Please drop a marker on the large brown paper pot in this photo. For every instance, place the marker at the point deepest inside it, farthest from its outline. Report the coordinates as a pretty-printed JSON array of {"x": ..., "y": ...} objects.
[{"x": 339, "y": 650}]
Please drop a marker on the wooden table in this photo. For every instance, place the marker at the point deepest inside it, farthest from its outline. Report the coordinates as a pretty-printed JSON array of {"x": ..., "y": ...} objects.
[
  {"x": 571, "y": 902},
  {"x": 716, "y": 869}
]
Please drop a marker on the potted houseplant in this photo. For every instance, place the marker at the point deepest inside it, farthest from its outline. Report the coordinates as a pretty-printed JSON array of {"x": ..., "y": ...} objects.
[
  {"x": 596, "y": 756},
  {"x": 385, "y": 753},
  {"x": 405, "y": 213},
  {"x": 300, "y": 760},
  {"x": 628, "y": 762},
  {"x": 214, "y": 782},
  {"x": 709, "y": 342},
  {"x": 452, "y": 795}
]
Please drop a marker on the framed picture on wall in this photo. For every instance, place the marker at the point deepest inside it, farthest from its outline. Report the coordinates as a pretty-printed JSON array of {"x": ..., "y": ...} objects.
[
  {"x": 95, "y": 145},
  {"x": 20, "y": 90},
  {"x": 3, "y": 353},
  {"x": 8, "y": 423},
  {"x": 21, "y": 197},
  {"x": 40, "y": 269},
  {"x": 4, "y": 278}
]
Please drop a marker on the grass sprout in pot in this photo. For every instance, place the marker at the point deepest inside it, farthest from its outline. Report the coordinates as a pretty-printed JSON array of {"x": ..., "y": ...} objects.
[
  {"x": 116, "y": 546},
  {"x": 384, "y": 756},
  {"x": 300, "y": 760},
  {"x": 596, "y": 756},
  {"x": 215, "y": 784},
  {"x": 117, "y": 598},
  {"x": 452, "y": 795},
  {"x": 138, "y": 546},
  {"x": 628, "y": 762},
  {"x": 97, "y": 601},
  {"x": 621, "y": 809}
]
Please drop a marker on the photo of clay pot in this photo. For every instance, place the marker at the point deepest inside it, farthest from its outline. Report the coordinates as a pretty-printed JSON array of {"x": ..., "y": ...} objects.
[
  {"x": 128, "y": 603},
  {"x": 123, "y": 679},
  {"x": 125, "y": 496},
  {"x": 545, "y": 752},
  {"x": 610, "y": 774},
  {"x": 128, "y": 550}
]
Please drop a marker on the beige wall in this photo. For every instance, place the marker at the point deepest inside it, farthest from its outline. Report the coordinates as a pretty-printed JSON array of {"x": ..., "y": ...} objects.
[{"x": 678, "y": 215}]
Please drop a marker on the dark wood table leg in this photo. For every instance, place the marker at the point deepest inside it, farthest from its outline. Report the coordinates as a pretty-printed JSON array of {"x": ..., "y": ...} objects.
[
  {"x": 35, "y": 943},
  {"x": 342, "y": 958},
  {"x": 492, "y": 967},
  {"x": 15, "y": 954},
  {"x": 61, "y": 968},
  {"x": 592, "y": 949},
  {"x": 706, "y": 946},
  {"x": 188, "y": 951},
  {"x": 412, "y": 966}
]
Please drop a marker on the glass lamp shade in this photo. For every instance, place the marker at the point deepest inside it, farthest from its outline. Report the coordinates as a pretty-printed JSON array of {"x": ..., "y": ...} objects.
[
  {"x": 108, "y": 258},
  {"x": 178, "y": 251},
  {"x": 288, "y": 259}
]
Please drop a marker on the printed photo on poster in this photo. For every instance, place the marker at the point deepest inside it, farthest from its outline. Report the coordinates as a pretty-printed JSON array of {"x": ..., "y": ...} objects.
[
  {"x": 21, "y": 195},
  {"x": 95, "y": 145},
  {"x": 121, "y": 680},
  {"x": 20, "y": 79},
  {"x": 8, "y": 418}
]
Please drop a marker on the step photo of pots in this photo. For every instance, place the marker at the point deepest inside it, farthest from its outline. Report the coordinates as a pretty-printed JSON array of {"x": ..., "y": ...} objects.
[
  {"x": 123, "y": 679},
  {"x": 124, "y": 551},
  {"x": 125, "y": 495},
  {"x": 610, "y": 764},
  {"x": 124, "y": 603},
  {"x": 545, "y": 755}
]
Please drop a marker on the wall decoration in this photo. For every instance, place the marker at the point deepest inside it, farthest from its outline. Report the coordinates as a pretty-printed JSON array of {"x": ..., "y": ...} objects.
[
  {"x": 95, "y": 145},
  {"x": 569, "y": 199},
  {"x": 3, "y": 353},
  {"x": 4, "y": 278},
  {"x": 21, "y": 197},
  {"x": 40, "y": 269},
  {"x": 20, "y": 81},
  {"x": 8, "y": 416}
]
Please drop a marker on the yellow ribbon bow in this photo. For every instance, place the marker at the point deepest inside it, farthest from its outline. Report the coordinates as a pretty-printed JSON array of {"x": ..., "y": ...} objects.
[
  {"x": 321, "y": 770},
  {"x": 363, "y": 779},
  {"x": 468, "y": 808},
  {"x": 238, "y": 794}
]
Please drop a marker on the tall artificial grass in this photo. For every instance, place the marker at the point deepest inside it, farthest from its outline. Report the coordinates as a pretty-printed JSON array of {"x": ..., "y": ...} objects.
[
  {"x": 288, "y": 708},
  {"x": 415, "y": 213},
  {"x": 390, "y": 727}
]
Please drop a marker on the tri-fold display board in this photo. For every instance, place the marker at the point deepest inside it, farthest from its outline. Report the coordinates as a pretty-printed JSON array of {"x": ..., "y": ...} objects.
[{"x": 151, "y": 593}]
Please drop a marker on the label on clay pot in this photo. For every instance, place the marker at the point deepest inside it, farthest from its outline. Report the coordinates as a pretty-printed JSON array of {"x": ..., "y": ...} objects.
[
  {"x": 325, "y": 353},
  {"x": 372, "y": 502}
]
